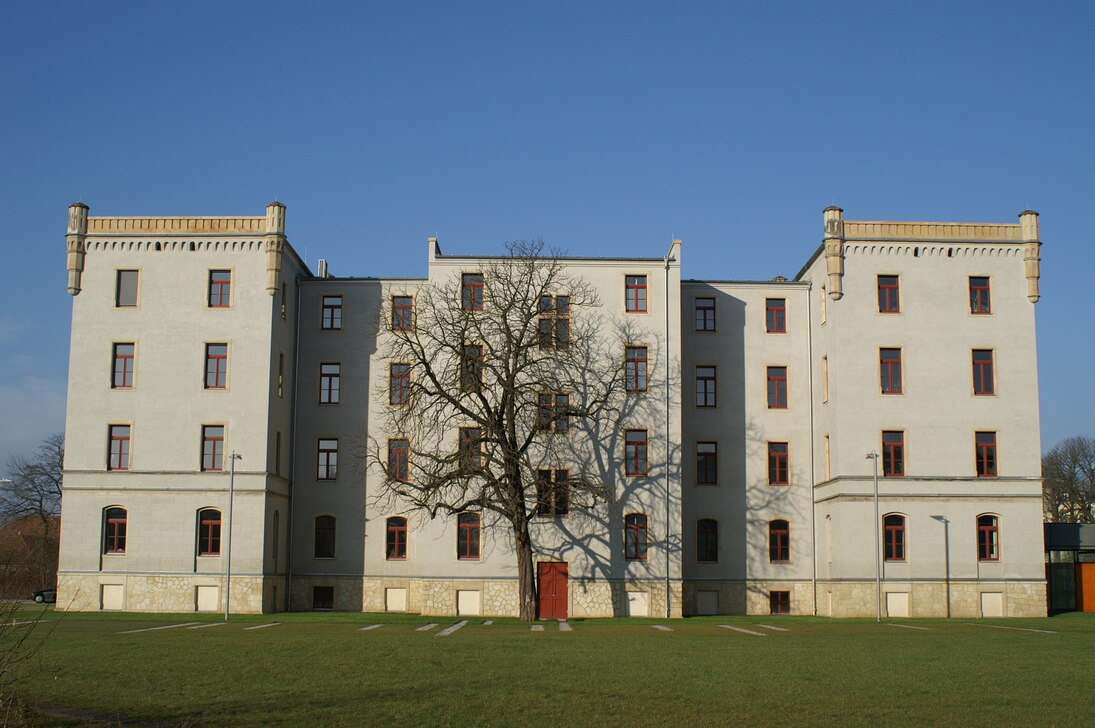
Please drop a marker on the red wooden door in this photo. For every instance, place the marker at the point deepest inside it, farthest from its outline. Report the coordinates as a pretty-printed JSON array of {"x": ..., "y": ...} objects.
[
  {"x": 553, "y": 589},
  {"x": 1085, "y": 587}
]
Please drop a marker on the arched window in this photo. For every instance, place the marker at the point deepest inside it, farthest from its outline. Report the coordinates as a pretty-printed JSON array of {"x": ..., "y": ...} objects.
[
  {"x": 114, "y": 527},
  {"x": 467, "y": 536},
  {"x": 325, "y": 537},
  {"x": 209, "y": 532},
  {"x": 988, "y": 538},
  {"x": 893, "y": 539},
  {"x": 396, "y": 544},
  {"x": 635, "y": 540},
  {"x": 779, "y": 541},
  {"x": 707, "y": 540}
]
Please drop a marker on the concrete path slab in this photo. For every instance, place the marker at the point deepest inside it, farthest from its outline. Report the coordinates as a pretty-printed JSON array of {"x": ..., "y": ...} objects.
[
  {"x": 564, "y": 626},
  {"x": 207, "y": 624},
  {"x": 31, "y": 621},
  {"x": 772, "y": 626},
  {"x": 371, "y": 626},
  {"x": 743, "y": 629},
  {"x": 1021, "y": 629},
  {"x": 662, "y": 627},
  {"x": 537, "y": 628},
  {"x": 451, "y": 628},
  {"x": 263, "y": 626},
  {"x": 488, "y": 622},
  {"x": 426, "y": 627},
  {"x": 908, "y": 626},
  {"x": 153, "y": 629}
]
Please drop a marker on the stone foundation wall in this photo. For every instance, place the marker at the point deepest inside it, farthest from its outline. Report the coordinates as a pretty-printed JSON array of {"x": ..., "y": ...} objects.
[
  {"x": 738, "y": 597},
  {"x": 347, "y": 589},
  {"x": 156, "y": 593},
  {"x": 929, "y": 599}
]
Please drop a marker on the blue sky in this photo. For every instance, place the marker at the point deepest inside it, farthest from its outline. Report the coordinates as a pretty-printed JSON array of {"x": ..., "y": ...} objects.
[{"x": 605, "y": 128}]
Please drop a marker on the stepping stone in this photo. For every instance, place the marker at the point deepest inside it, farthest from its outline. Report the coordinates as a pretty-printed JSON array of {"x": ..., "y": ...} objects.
[
  {"x": 371, "y": 626},
  {"x": 263, "y": 626},
  {"x": 537, "y": 628},
  {"x": 564, "y": 626},
  {"x": 488, "y": 622},
  {"x": 742, "y": 629},
  {"x": 1021, "y": 629},
  {"x": 208, "y": 624},
  {"x": 153, "y": 629},
  {"x": 907, "y": 626},
  {"x": 772, "y": 626},
  {"x": 662, "y": 627},
  {"x": 426, "y": 627},
  {"x": 452, "y": 628}
]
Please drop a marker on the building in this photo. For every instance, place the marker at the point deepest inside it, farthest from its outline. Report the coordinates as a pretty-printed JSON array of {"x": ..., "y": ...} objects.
[{"x": 903, "y": 346}]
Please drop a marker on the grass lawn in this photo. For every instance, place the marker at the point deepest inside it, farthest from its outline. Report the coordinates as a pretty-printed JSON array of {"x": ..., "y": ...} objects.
[{"x": 322, "y": 670}]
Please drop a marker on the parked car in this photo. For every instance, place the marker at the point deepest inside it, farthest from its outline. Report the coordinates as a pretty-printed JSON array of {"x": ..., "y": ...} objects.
[{"x": 46, "y": 596}]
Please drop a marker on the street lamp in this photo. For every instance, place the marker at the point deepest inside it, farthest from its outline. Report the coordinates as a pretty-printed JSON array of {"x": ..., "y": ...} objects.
[
  {"x": 947, "y": 557},
  {"x": 873, "y": 455},
  {"x": 228, "y": 534}
]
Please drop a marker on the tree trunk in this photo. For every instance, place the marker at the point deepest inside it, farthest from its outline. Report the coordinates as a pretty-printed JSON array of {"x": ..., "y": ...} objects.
[{"x": 526, "y": 575}]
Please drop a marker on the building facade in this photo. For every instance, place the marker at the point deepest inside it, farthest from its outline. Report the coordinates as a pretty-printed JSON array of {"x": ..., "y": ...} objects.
[{"x": 765, "y": 407}]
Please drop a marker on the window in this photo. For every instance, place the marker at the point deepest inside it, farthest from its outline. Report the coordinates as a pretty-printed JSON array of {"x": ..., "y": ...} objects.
[
  {"x": 277, "y": 453},
  {"x": 888, "y": 298},
  {"x": 554, "y": 330},
  {"x": 979, "y": 295},
  {"x": 893, "y": 538},
  {"x": 635, "y": 452},
  {"x": 284, "y": 299},
  {"x": 985, "y": 444},
  {"x": 395, "y": 546},
  {"x": 705, "y": 314},
  {"x": 330, "y": 379},
  {"x": 552, "y": 413},
  {"x": 114, "y": 526},
  {"x": 635, "y": 537},
  {"x": 778, "y": 468},
  {"x": 399, "y": 384},
  {"x": 707, "y": 540},
  {"x": 119, "y": 448},
  {"x": 402, "y": 313},
  {"x": 471, "y": 448},
  {"x": 635, "y": 294},
  {"x": 216, "y": 366},
  {"x": 982, "y": 372},
  {"x": 399, "y": 465},
  {"x": 825, "y": 378},
  {"x": 323, "y": 597},
  {"x": 325, "y": 537},
  {"x": 705, "y": 386},
  {"x": 779, "y": 602},
  {"x": 327, "y": 458},
  {"x": 281, "y": 374},
  {"x": 777, "y": 387},
  {"x": 707, "y": 463},
  {"x": 123, "y": 367},
  {"x": 779, "y": 541},
  {"x": 471, "y": 291},
  {"x": 471, "y": 368},
  {"x": 552, "y": 493},
  {"x": 209, "y": 532},
  {"x": 332, "y": 313},
  {"x": 889, "y": 370},
  {"x": 125, "y": 288},
  {"x": 635, "y": 369},
  {"x": 893, "y": 453},
  {"x": 988, "y": 538},
  {"x": 212, "y": 447},
  {"x": 775, "y": 315},
  {"x": 220, "y": 288},
  {"x": 467, "y": 536}
]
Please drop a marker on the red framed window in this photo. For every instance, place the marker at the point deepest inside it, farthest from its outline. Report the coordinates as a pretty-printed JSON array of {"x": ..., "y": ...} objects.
[
  {"x": 122, "y": 377},
  {"x": 988, "y": 538},
  {"x": 471, "y": 448},
  {"x": 212, "y": 447},
  {"x": 983, "y": 380},
  {"x": 209, "y": 532},
  {"x": 635, "y": 452},
  {"x": 985, "y": 454},
  {"x": 779, "y": 471},
  {"x": 635, "y": 369},
  {"x": 325, "y": 537},
  {"x": 552, "y": 493},
  {"x": 705, "y": 314},
  {"x": 889, "y": 370},
  {"x": 471, "y": 291},
  {"x": 114, "y": 528},
  {"x": 635, "y": 294},
  {"x": 402, "y": 313},
  {"x": 979, "y": 295},
  {"x": 777, "y": 387},
  {"x": 707, "y": 463},
  {"x": 216, "y": 366},
  {"x": 399, "y": 459},
  {"x": 775, "y": 315},
  {"x": 467, "y": 536},
  {"x": 331, "y": 317},
  {"x": 395, "y": 545},
  {"x": 705, "y": 386},
  {"x": 330, "y": 382},
  {"x": 893, "y": 537},
  {"x": 554, "y": 331},
  {"x": 893, "y": 453},
  {"x": 707, "y": 540},
  {"x": 118, "y": 458},
  {"x": 635, "y": 537},
  {"x": 552, "y": 413},
  {"x": 220, "y": 288},
  {"x": 779, "y": 602},
  {"x": 471, "y": 368},
  {"x": 327, "y": 459},
  {"x": 779, "y": 541},
  {"x": 889, "y": 299},
  {"x": 125, "y": 288},
  {"x": 399, "y": 384}
]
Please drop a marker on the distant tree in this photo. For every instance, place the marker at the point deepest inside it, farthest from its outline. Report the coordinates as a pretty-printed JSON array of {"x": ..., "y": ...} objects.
[
  {"x": 1068, "y": 487},
  {"x": 30, "y": 503}
]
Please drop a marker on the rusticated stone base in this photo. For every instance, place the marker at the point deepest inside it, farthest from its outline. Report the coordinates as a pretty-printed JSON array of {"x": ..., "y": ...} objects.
[
  {"x": 157, "y": 593},
  {"x": 736, "y": 597},
  {"x": 959, "y": 599}
]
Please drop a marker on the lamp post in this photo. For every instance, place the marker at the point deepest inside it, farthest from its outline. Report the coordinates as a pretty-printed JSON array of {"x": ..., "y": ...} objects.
[
  {"x": 228, "y": 534},
  {"x": 873, "y": 455},
  {"x": 946, "y": 557}
]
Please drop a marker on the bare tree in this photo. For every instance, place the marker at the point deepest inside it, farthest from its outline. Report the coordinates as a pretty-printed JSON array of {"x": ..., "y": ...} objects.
[
  {"x": 35, "y": 484},
  {"x": 483, "y": 380},
  {"x": 1068, "y": 486}
]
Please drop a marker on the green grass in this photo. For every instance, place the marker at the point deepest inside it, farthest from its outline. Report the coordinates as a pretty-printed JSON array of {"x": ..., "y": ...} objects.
[{"x": 319, "y": 669}]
